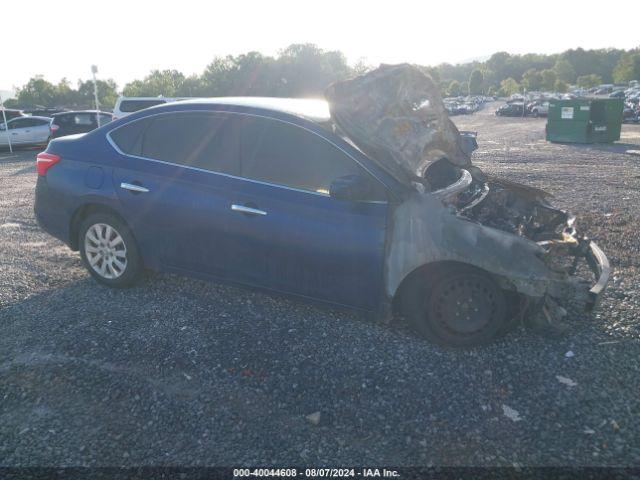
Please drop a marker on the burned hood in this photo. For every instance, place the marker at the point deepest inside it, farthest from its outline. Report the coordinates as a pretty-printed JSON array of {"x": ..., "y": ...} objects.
[{"x": 396, "y": 116}]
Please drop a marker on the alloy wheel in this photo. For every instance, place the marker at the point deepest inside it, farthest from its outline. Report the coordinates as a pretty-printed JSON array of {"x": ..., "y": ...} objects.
[{"x": 105, "y": 250}]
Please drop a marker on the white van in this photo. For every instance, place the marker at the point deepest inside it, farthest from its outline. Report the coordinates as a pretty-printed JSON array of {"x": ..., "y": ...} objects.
[{"x": 127, "y": 105}]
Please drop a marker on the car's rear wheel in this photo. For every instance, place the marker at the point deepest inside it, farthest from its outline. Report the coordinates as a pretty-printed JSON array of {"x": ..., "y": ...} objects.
[
  {"x": 536, "y": 113},
  {"x": 109, "y": 251},
  {"x": 461, "y": 307}
]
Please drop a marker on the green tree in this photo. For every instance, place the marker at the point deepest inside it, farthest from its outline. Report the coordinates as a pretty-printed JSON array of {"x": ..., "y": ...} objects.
[
  {"x": 166, "y": 83},
  {"x": 561, "y": 86},
  {"x": 65, "y": 95},
  {"x": 627, "y": 68},
  {"x": 476, "y": 80},
  {"x": 509, "y": 86},
  {"x": 564, "y": 70},
  {"x": 107, "y": 93},
  {"x": 37, "y": 92},
  {"x": 588, "y": 81},
  {"x": 11, "y": 103},
  {"x": 454, "y": 89},
  {"x": 532, "y": 79},
  {"x": 548, "y": 79}
]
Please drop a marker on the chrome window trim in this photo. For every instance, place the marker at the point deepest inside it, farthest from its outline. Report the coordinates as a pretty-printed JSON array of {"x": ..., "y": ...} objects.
[{"x": 118, "y": 150}]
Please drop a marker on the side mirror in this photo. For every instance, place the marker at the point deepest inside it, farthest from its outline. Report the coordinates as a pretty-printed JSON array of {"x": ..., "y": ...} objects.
[{"x": 353, "y": 188}]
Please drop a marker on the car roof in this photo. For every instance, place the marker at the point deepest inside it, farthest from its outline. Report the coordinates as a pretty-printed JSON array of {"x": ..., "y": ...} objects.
[
  {"x": 316, "y": 110},
  {"x": 29, "y": 116},
  {"x": 73, "y": 112}
]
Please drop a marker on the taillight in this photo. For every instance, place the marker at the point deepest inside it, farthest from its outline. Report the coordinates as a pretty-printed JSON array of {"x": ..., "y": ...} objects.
[
  {"x": 44, "y": 161},
  {"x": 54, "y": 127}
]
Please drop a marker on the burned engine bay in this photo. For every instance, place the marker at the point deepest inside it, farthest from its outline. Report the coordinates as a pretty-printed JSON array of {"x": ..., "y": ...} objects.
[{"x": 453, "y": 211}]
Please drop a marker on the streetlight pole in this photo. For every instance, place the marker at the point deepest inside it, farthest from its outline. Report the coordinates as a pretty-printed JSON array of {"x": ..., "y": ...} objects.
[
  {"x": 6, "y": 125},
  {"x": 94, "y": 70}
]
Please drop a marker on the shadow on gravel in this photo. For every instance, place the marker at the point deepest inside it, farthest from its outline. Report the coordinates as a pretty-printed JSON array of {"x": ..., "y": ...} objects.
[{"x": 186, "y": 372}]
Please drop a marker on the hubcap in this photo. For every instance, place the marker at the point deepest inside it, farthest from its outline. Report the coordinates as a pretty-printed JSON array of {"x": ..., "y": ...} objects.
[{"x": 106, "y": 251}]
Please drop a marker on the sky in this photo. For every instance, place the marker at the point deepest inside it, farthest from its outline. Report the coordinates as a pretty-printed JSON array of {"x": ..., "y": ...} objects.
[{"x": 128, "y": 39}]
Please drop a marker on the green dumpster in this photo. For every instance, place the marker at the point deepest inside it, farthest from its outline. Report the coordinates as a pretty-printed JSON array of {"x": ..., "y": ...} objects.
[{"x": 585, "y": 120}]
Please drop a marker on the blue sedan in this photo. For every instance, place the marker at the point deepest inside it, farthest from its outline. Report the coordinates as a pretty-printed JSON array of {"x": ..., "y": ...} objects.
[{"x": 263, "y": 192}]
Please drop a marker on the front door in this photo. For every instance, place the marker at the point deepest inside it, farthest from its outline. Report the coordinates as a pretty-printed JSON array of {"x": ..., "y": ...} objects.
[{"x": 289, "y": 234}]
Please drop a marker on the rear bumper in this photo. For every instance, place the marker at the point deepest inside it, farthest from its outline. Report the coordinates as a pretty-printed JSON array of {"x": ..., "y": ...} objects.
[
  {"x": 599, "y": 265},
  {"x": 49, "y": 212}
]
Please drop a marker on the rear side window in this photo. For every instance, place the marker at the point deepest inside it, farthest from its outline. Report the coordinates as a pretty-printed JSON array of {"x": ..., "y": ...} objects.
[
  {"x": 208, "y": 141},
  {"x": 130, "y": 106},
  {"x": 284, "y": 154},
  {"x": 83, "y": 119}
]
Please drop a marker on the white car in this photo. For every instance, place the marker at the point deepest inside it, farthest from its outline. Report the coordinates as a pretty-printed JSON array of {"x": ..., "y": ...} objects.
[
  {"x": 26, "y": 131},
  {"x": 127, "y": 105},
  {"x": 540, "y": 110}
]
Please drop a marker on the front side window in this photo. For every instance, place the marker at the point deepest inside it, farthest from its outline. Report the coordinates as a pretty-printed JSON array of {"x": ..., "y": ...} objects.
[
  {"x": 283, "y": 154},
  {"x": 20, "y": 123},
  {"x": 204, "y": 140}
]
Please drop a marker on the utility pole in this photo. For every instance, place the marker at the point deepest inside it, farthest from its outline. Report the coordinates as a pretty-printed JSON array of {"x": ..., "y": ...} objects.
[
  {"x": 94, "y": 70},
  {"x": 6, "y": 125}
]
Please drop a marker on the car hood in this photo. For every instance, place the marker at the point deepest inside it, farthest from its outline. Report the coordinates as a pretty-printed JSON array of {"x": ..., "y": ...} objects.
[{"x": 396, "y": 116}]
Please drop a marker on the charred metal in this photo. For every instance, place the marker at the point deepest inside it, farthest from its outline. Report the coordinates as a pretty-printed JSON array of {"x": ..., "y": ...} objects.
[{"x": 452, "y": 211}]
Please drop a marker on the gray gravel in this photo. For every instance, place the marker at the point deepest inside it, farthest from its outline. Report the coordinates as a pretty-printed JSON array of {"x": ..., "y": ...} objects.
[{"x": 182, "y": 372}]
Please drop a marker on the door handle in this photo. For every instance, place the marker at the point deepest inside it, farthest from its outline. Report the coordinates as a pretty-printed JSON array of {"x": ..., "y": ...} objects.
[
  {"x": 248, "y": 210},
  {"x": 134, "y": 188}
]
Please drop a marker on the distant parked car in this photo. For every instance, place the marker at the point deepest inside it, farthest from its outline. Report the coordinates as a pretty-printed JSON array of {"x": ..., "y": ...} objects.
[
  {"x": 10, "y": 113},
  {"x": 510, "y": 110},
  {"x": 26, "y": 131},
  {"x": 69, "y": 123},
  {"x": 128, "y": 105},
  {"x": 540, "y": 109},
  {"x": 617, "y": 94}
]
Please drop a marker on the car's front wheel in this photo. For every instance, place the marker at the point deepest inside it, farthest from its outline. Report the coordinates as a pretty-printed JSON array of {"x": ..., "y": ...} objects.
[
  {"x": 109, "y": 251},
  {"x": 460, "y": 306}
]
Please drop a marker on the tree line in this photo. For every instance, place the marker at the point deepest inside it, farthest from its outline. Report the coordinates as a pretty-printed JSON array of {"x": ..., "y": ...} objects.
[{"x": 305, "y": 70}]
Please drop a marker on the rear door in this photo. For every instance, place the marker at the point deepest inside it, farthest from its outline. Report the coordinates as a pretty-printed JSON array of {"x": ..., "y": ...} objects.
[
  {"x": 19, "y": 130},
  {"x": 40, "y": 131},
  {"x": 288, "y": 234},
  {"x": 174, "y": 186}
]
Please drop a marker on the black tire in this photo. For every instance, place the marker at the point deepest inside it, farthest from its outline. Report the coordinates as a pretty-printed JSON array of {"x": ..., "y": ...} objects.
[
  {"x": 536, "y": 114},
  {"x": 121, "y": 277},
  {"x": 459, "y": 307}
]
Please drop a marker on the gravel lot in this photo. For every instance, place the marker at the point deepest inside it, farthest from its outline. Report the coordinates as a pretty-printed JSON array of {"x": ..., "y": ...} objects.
[{"x": 182, "y": 372}]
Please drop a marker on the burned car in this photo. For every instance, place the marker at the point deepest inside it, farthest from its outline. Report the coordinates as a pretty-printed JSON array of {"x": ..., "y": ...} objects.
[
  {"x": 369, "y": 200},
  {"x": 468, "y": 253}
]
